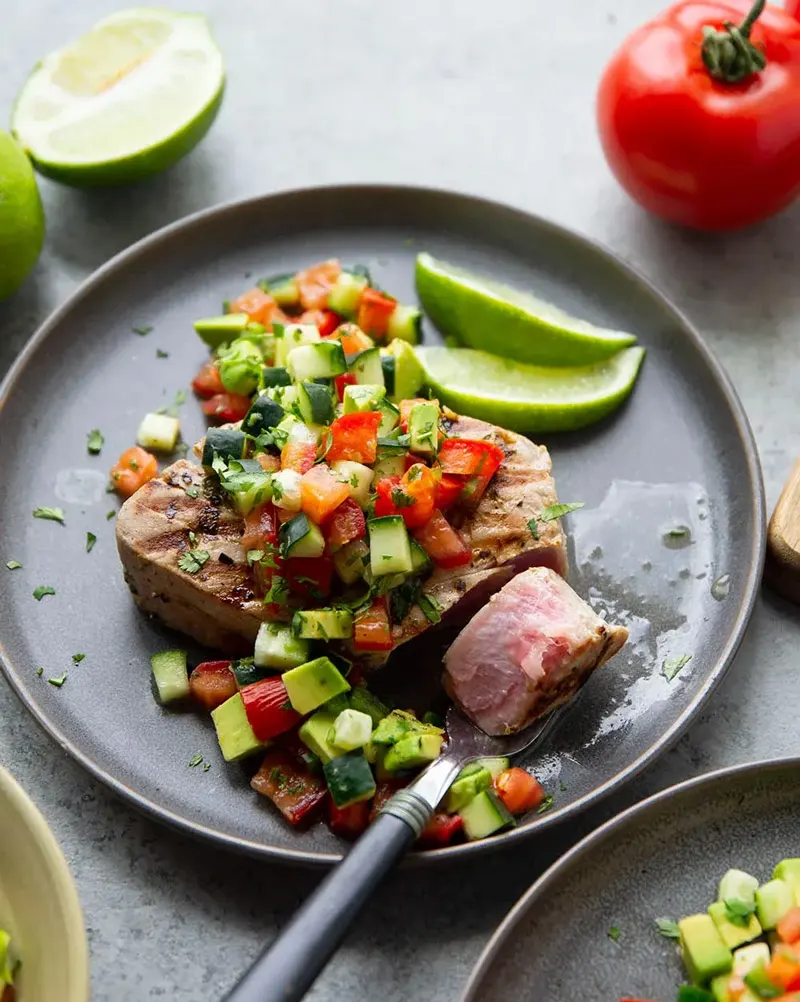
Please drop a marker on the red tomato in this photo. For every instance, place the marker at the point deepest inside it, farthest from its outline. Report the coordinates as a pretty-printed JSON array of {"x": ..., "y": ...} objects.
[
  {"x": 354, "y": 437},
  {"x": 518, "y": 790},
  {"x": 207, "y": 382},
  {"x": 309, "y": 576},
  {"x": 700, "y": 151},
  {"x": 296, "y": 793},
  {"x": 448, "y": 490},
  {"x": 268, "y": 709},
  {"x": 257, "y": 304},
  {"x": 372, "y": 630},
  {"x": 227, "y": 407},
  {"x": 133, "y": 468},
  {"x": 321, "y": 492},
  {"x": 348, "y": 379},
  {"x": 298, "y": 456},
  {"x": 211, "y": 683},
  {"x": 384, "y": 502},
  {"x": 374, "y": 310},
  {"x": 442, "y": 543},
  {"x": 348, "y": 822},
  {"x": 345, "y": 524},
  {"x": 315, "y": 283},
  {"x": 441, "y": 830}
]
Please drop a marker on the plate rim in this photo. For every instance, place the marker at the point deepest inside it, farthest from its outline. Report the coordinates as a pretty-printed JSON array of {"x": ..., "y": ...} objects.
[
  {"x": 618, "y": 823},
  {"x": 741, "y": 424}
]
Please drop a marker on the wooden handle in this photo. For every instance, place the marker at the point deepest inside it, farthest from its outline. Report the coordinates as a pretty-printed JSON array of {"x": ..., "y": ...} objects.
[{"x": 782, "y": 571}]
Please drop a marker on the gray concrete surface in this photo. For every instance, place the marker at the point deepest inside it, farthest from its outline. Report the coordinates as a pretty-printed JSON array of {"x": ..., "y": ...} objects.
[{"x": 495, "y": 99}]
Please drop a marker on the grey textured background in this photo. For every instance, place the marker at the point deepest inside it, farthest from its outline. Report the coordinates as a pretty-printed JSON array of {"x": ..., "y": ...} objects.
[{"x": 492, "y": 99}]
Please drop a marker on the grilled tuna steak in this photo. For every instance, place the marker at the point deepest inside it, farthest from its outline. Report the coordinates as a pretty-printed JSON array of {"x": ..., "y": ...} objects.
[
  {"x": 218, "y": 605},
  {"x": 530, "y": 648}
]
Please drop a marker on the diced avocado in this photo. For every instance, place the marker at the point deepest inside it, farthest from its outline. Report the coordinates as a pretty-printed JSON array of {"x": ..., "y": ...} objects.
[
  {"x": 733, "y": 934},
  {"x": 349, "y": 778},
  {"x": 413, "y": 751},
  {"x": 773, "y": 900},
  {"x": 719, "y": 988},
  {"x": 362, "y": 397},
  {"x": 234, "y": 733},
  {"x": 423, "y": 427},
  {"x": 702, "y": 948},
  {"x": 737, "y": 885},
  {"x": 390, "y": 552},
  {"x": 789, "y": 870},
  {"x": 352, "y": 729},
  {"x": 311, "y": 685},
  {"x": 315, "y": 733},
  {"x": 323, "y": 624},
  {"x": 465, "y": 789},
  {"x": 216, "y": 331},
  {"x": 278, "y": 648},
  {"x": 691, "y": 993},
  {"x": 484, "y": 815},
  {"x": 363, "y": 700},
  {"x": 399, "y": 724},
  {"x": 748, "y": 957},
  {"x": 409, "y": 375},
  {"x": 170, "y": 675}
]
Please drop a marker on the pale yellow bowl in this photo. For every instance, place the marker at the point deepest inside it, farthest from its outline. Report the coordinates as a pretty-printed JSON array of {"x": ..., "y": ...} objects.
[{"x": 39, "y": 903}]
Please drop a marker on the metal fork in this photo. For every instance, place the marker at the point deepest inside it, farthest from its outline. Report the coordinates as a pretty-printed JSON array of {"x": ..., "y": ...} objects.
[{"x": 289, "y": 966}]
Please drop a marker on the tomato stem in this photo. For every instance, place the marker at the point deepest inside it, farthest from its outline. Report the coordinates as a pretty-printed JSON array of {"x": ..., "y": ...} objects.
[{"x": 728, "y": 54}]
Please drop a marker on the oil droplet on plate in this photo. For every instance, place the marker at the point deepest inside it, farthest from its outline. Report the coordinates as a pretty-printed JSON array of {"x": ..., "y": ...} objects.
[{"x": 83, "y": 487}]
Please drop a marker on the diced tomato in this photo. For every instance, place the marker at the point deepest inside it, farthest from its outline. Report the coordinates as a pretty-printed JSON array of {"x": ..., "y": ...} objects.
[
  {"x": 345, "y": 524},
  {"x": 211, "y": 683},
  {"x": 784, "y": 970},
  {"x": 321, "y": 492},
  {"x": 405, "y": 410},
  {"x": 133, "y": 469},
  {"x": 298, "y": 456},
  {"x": 261, "y": 533},
  {"x": 355, "y": 437},
  {"x": 268, "y": 462},
  {"x": 384, "y": 792},
  {"x": 374, "y": 311},
  {"x": 477, "y": 460},
  {"x": 257, "y": 304},
  {"x": 441, "y": 542},
  {"x": 227, "y": 407},
  {"x": 448, "y": 491},
  {"x": 316, "y": 282},
  {"x": 441, "y": 830},
  {"x": 353, "y": 339},
  {"x": 296, "y": 792},
  {"x": 384, "y": 503},
  {"x": 789, "y": 926},
  {"x": 309, "y": 576},
  {"x": 518, "y": 790},
  {"x": 207, "y": 382},
  {"x": 372, "y": 630},
  {"x": 348, "y": 822},
  {"x": 346, "y": 379},
  {"x": 268, "y": 709}
]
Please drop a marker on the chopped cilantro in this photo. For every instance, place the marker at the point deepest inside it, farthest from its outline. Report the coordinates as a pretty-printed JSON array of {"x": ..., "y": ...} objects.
[
  {"x": 77, "y": 658},
  {"x": 430, "y": 607},
  {"x": 141, "y": 331},
  {"x": 668, "y": 927},
  {"x": 546, "y": 804},
  {"x": 400, "y": 499},
  {"x": 91, "y": 539},
  {"x": 180, "y": 398},
  {"x": 672, "y": 666},
  {"x": 206, "y": 766},
  {"x": 253, "y": 556},
  {"x": 161, "y": 354},
  {"x": 738, "y": 912},
  {"x": 13, "y": 565},
  {"x": 40, "y": 672},
  {"x": 554, "y": 511},
  {"x": 678, "y": 531},
  {"x": 277, "y": 490},
  {"x": 94, "y": 442},
  {"x": 278, "y": 592},
  {"x": 533, "y": 527},
  {"x": 614, "y": 934},
  {"x": 53, "y": 514},
  {"x": 58, "y": 682},
  {"x": 40, "y": 592},
  {"x": 191, "y": 561},
  {"x": 110, "y": 515},
  {"x": 415, "y": 472},
  {"x": 195, "y": 760},
  {"x": 562, "y": 787}
]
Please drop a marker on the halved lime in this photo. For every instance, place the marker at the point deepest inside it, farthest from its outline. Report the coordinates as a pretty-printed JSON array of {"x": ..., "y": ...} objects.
[
  {"x": 21, "y": 216},
  {"x": 529, "y": 398},
  {"x": 494, "y": 317},
  {"x": 124, "y": 101}
]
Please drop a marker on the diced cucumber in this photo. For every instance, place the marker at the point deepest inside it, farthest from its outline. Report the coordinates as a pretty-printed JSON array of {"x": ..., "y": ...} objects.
[
  {"x": 409, "y": 376},
  {"x": 323, "y": 624},
  {"x": 495, "y": 765},
  {"x": 748, "y": 957},
  {"x": 316, "y": 361},
  {"x": 170, "y": 675},
  {"x": 390, "y": 417},
  {"x": 276, "y": 375},
  {"x": 352, "y": 729},
  {"x": 216, "y": 331},
  {"x": 423, "y": 427},
  {"x": 279, "y": 648},
  {"x": 405, "y": 323},
  {"x": 367, "y": 368},
  {"x": 315, "y": 733},
  {"x": 313, "y": 684},
  {"x": 290, "y": 336},
  {"x": 263, "y": 415},
  {"x": 357, "y": 477},
  {"x": 351, "y": 560},
  {"x": 284, "y": 289},
  {"x": 732, "y": 933},
  {"x": 387, "y": 364},
  {"x": 363, "y": 700},
  {"x": 349, "y": 778},
  {"x": 773, "y": 901},
  {"x": 420, "y": 561},
  {"x": 789, "y": 870},
  {"x": 388, "y": 464},
  {"x": 234, "y": 733},
  {"x": 247, "y": 672},
  {"x": 227, "y": 443},
  {"x": 246, "y": 481},
  {"x": 737, "y": 885},
  {"x": 286, "y": 491},
  {"x": 362, "y": 397},
  {"x": 301, "y": 538},
  {"x": 315, "y": 401},
  {"x": 345, "y": 294},
  {"x": 413, "y": 751},
  {"x": 390, "y": 552},
  {"x": 301, "y": 432},
  {"x": 484, "y": 815},
  {"x": 465, "y": 789},
  {"x": 158, "y": 432}
]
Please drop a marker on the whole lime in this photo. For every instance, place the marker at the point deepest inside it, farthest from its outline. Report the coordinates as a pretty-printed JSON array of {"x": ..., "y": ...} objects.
[{"x": 21, "y": 216}]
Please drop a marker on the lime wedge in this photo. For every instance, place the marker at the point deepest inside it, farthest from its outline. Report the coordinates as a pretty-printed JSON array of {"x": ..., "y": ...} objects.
[
  {"x": 529, "y": 398},
  {"x": 124, "y": 101},
  {"x": 494, "y": 317}
]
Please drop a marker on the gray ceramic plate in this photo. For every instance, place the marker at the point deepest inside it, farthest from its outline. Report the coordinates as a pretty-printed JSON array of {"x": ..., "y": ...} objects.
[
  {"x": 663, "y": 857},
  {"x": 680, "y": 453}
]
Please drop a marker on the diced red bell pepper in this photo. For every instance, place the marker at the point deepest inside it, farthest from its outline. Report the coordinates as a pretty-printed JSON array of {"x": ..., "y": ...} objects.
[
  {"x": 321, "y": 492},
  {"x": 384, "y": 792},
  {"x": 384, "y": 504},
  {"x": 296, "y": 792},
  {"x": 316, "y": 282},
  {"x": 441, "y": 542},
  {"x": 405, "y": 410},
  {"x": 346, "y": 379},
  {"x": 354, "y": 437},
  {"x": 441, "y": 830},
  {"x": 309, "y": 576},
  {"x": 227, "y": 407},
  {"x": 789, "y": 926},
  {"x": 207, "y": 382},
  {"x": 784, "y": 970},
  {"x": 374, "y": 311},
  {"x": 329, "y": 322},
  {"x": 268, "y": 709},
  {"x": 348, "y": 822},
  {"x": 518, "y": 790},
  {"x": 476, "y": 459},
  {"x": 257, "y": 304},
  {"x": 410, "y": 496},
  {"x": 448, "y": 490},
  {"x": 211, "y": 683},
  {"x": 346, "y": 523},
  {"x": 268, "y": 462},
  {"x": 353, "y": 339},
  {"x": 372, "y": 630},
  {"x": 298, "y": 456}
]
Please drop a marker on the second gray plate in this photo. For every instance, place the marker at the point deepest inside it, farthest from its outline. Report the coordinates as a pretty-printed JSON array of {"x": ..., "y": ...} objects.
[{"x": 680, "y": 454}]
